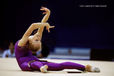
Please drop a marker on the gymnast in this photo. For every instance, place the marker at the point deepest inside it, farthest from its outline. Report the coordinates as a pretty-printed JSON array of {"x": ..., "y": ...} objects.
[{"x": 29, "y": 43}]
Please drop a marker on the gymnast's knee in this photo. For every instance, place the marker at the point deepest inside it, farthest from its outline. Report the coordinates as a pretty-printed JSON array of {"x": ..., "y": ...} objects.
[{"x": 25, "y": 67}]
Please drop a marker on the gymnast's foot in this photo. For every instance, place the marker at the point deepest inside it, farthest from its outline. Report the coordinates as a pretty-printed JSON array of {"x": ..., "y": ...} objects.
[
  {"x": 90, "y": 68},
  {"x": 44, "y": 68}
]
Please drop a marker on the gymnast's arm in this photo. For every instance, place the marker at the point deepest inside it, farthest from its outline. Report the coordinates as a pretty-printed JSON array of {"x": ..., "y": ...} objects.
[
  {"x": 46, "y": 17},
  {"x": 44, "y": 20},
  {"x": 32, "y": 27},
  {"x": 47, "y": 14}
]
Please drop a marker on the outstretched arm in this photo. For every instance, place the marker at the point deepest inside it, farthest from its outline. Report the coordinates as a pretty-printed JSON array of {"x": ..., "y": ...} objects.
[
  {"x": 46, "y": 17},
  {"x": 44, "y": 20},
  {"x": 47, "y": 14}
]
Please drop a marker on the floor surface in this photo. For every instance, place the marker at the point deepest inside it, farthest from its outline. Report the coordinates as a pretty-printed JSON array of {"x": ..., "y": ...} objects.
[{"x": 9, "y": 67}]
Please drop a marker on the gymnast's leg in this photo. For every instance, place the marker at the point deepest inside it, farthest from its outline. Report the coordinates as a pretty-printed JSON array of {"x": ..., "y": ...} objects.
[
  {"x": 36, "y": 65},
  {"x": 64, "y": 65},
  {"x": 71, "y": 65},
  {"x": 25, "y": 67}
]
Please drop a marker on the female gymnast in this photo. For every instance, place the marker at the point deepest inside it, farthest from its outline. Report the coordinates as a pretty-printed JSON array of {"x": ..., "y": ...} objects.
[{"x": 29, "y": 43}]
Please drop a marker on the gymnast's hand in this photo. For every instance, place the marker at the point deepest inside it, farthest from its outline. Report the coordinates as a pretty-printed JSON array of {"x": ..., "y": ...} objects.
[
  {"x": 48, "y": 27},
  {"x": 46, "y": 10}
]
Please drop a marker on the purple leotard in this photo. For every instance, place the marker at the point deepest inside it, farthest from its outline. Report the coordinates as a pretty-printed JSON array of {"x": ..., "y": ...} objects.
[{"x": 24, "y": 56}]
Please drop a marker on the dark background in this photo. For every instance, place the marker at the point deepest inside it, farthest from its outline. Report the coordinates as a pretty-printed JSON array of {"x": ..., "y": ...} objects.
[{"x": 75, "y": 26}]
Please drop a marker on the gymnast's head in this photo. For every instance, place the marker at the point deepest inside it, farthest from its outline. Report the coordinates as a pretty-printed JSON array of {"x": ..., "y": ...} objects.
[{"x": 34, "y": 43}]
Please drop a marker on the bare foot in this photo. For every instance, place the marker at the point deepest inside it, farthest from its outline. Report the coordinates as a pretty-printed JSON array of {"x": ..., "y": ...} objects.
[
  {"x": 90, "y": 68},
  {"x": 44, "y": 68}
]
